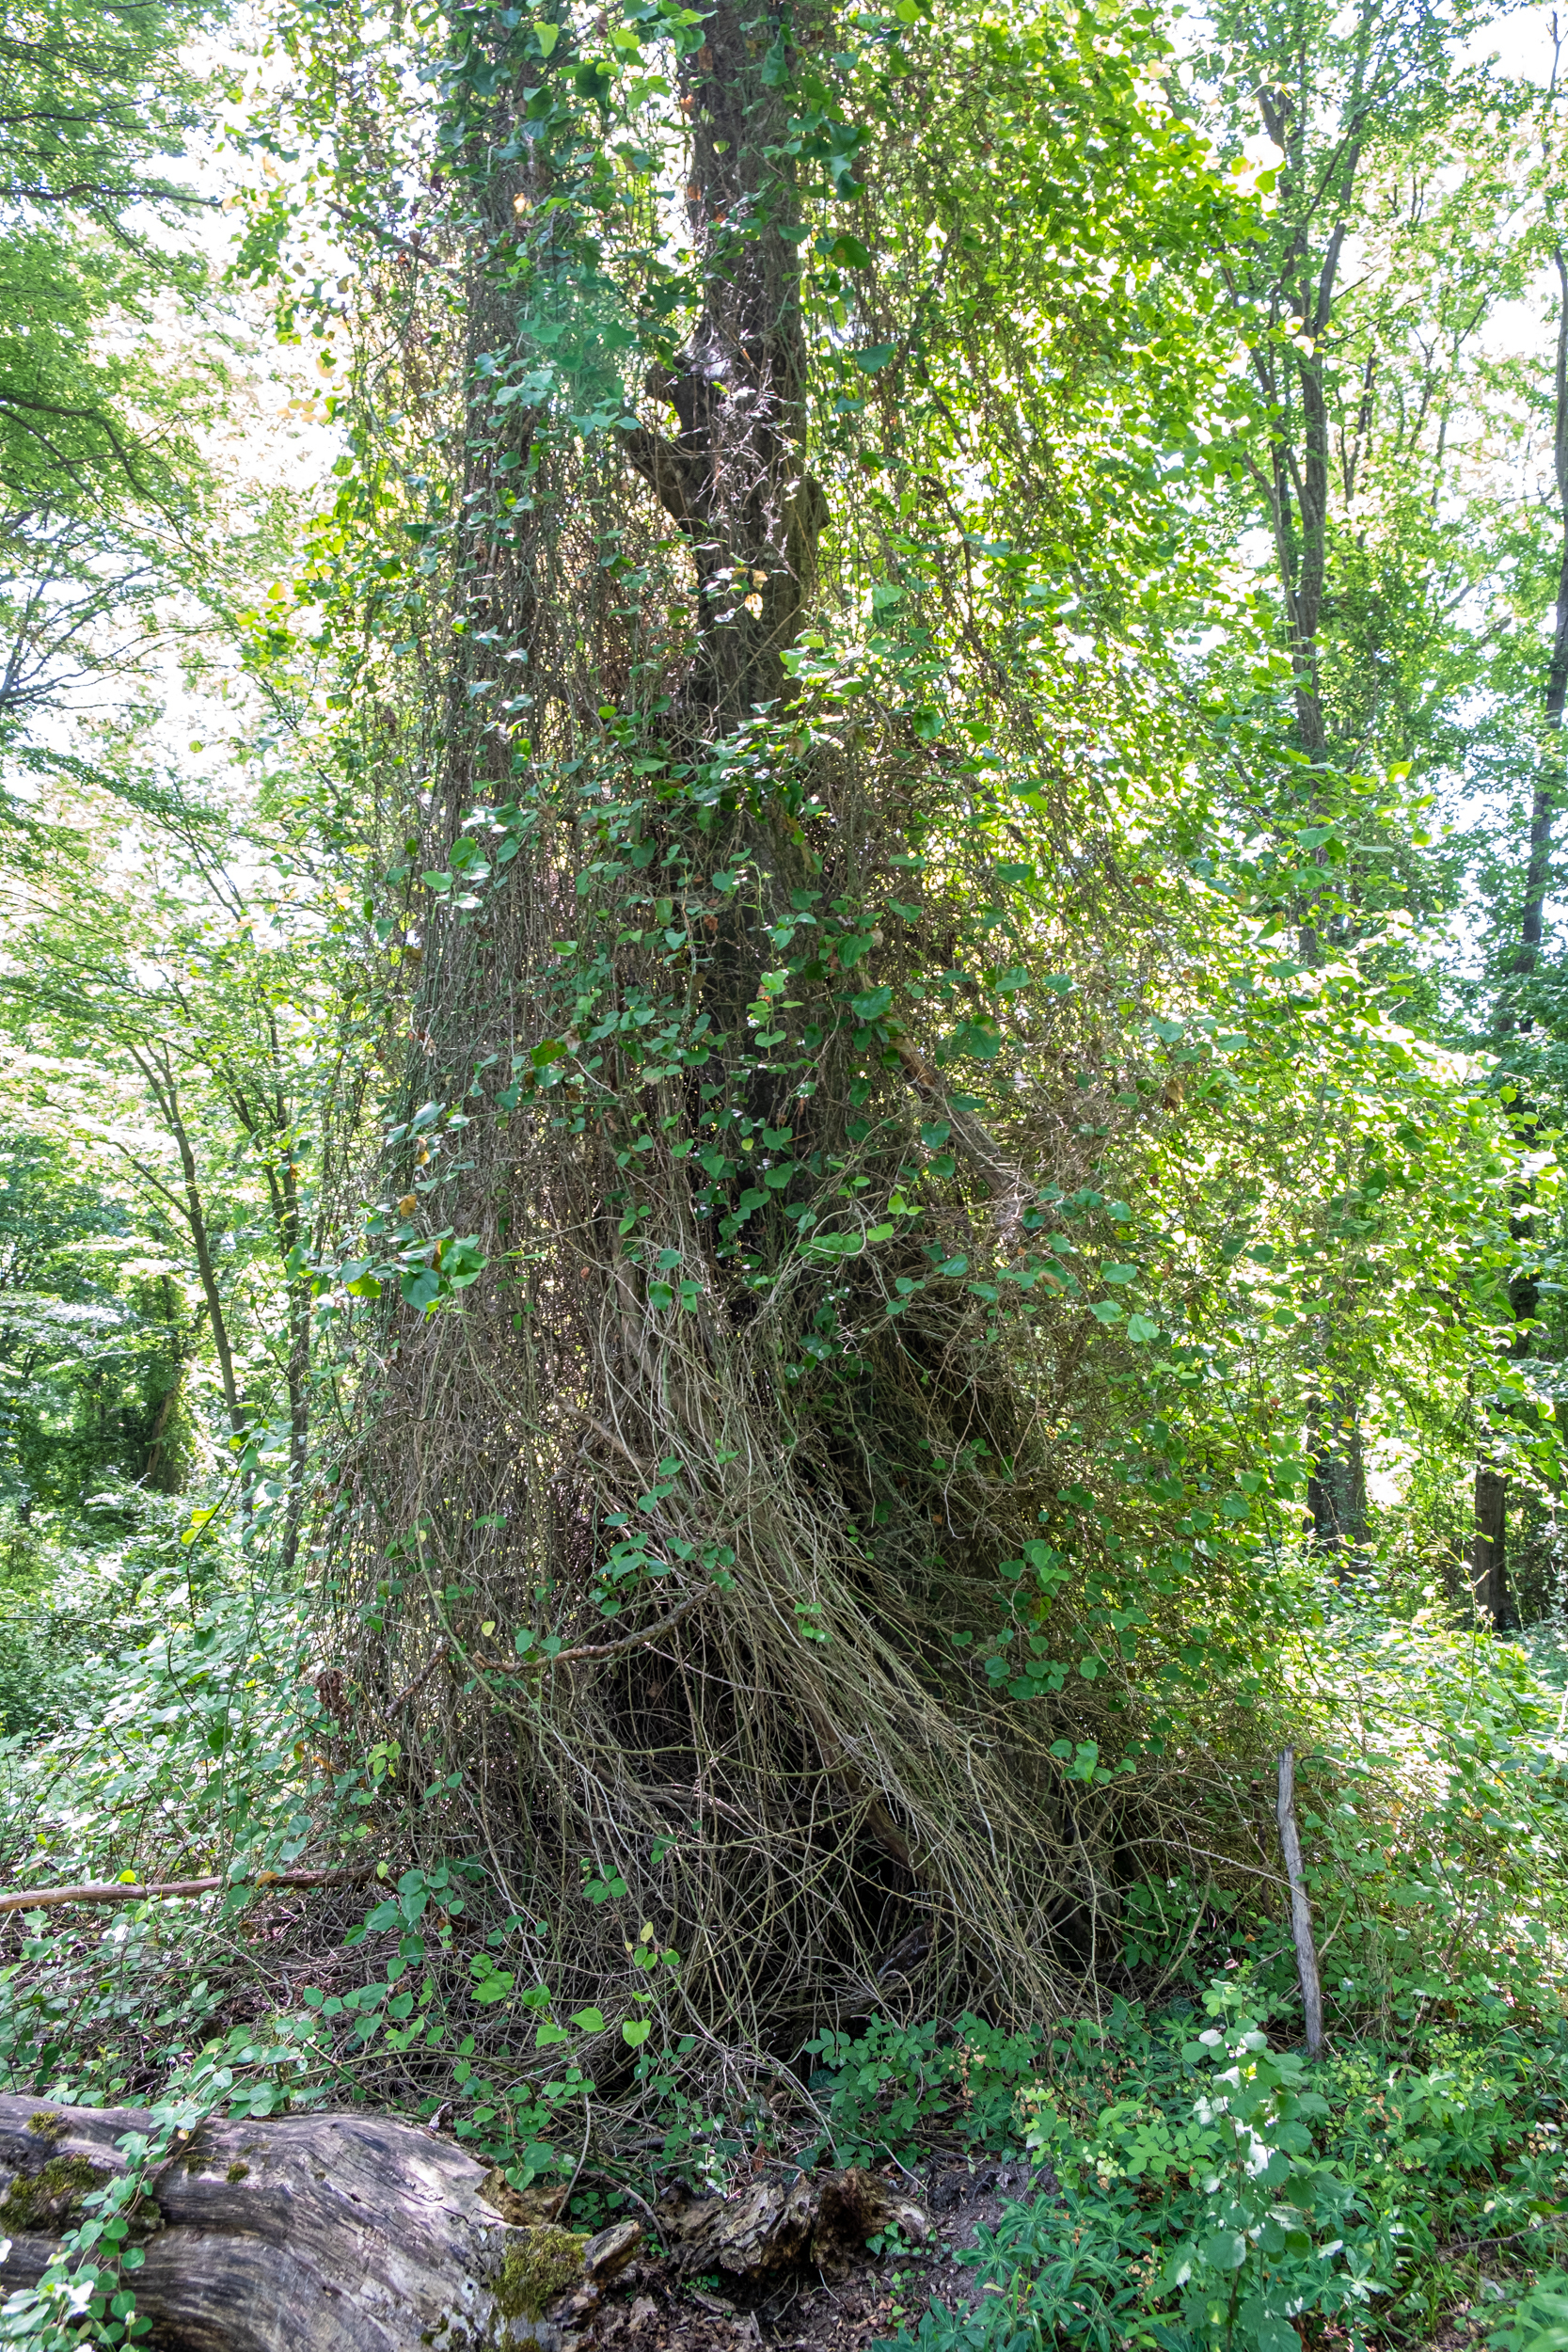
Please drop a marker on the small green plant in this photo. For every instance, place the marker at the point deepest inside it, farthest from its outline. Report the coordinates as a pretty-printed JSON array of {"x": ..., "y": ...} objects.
[
  {"x": 887, "y": 2090},
  {"x": 1538, "y": 2321},
  {"x": 1201, "y": 2189}
]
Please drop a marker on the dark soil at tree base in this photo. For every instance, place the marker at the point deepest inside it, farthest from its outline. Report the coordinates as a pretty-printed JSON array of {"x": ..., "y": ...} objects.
[{"x": 651, "y": 2309}]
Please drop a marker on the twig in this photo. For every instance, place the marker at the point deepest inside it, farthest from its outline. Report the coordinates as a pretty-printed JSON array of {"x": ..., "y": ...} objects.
[
  {"x": 1001, "y": 1179},
  {"x": 413, "y": 1689},
  {"x": 591, "y": 1649},
  {"x": 118, "y": 1891},
  {"x": 1301, "y": 1910},
  {"x": 582, "y": 2157},
  {"x": 623, "y": 2189},
  {"x": 398, "y": 245}
]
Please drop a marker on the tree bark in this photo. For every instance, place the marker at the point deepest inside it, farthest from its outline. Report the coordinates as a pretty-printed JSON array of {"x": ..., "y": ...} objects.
[
  {"x": 343, "y": 2232},
  {"x": 266, "y": 1117},
  {"x": 357, "y": 2234},
  {"x": 1489, "y": 1546},
  {"x": 820, "y": 2222},
  {"x": 1301, "y": 1909},
  {"x": 734, "y": 476},
  {"x": 155, "y": 1068},
  {"x": 1337, "y": 1484}
]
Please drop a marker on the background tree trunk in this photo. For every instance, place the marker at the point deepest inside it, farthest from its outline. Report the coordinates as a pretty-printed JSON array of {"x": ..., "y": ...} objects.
[
  {"x": 1337, "y": 1488},
  {"x": 1489, "y": 1547}
]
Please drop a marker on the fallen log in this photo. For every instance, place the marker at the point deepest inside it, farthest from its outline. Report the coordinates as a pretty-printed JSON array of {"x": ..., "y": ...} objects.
[
  {"x": 342, "y": 2233},
  {"x": 816, "y": 2221},
  {"x": 357, "y": 2234}
]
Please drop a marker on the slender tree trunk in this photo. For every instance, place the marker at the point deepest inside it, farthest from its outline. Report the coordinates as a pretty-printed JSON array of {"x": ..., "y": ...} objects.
[
  {"x": 1301, "y": 1908},
  {"x": 1489, "y": 1546},
  {"x": 1548, "y": 783},
  {"x": 1300, "y": 480},
  {"x": 160, "y": 1427},
  {"x": 170, "y": 1397},
  {"x": 1337, "y": 1487},
  {"x": 156, "y": 1070},
  {"x": 284, "y": 1186},
  {"x": 265, "y": 1117},
  {"x": 1489, "y": 1549}
]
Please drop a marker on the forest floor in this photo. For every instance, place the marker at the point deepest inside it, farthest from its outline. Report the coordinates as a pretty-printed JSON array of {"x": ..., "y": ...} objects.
[{"x": 652, "y": 2310}]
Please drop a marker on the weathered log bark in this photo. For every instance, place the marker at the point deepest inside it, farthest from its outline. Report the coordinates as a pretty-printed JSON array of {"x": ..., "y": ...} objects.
[
  {"x": 343, "y": 2232},
  {"x": 355, "y": 2233},
  {"x": 817, "y": 2221}
]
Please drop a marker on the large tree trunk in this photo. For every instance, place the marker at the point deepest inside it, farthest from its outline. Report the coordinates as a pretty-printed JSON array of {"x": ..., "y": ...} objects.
[
  {"x": 733, "y": 477},
  {"x": 667, "y": 1403}
]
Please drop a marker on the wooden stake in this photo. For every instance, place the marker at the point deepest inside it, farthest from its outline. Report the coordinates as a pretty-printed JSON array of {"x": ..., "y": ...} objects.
[{"x": 1301, "y": 1910}]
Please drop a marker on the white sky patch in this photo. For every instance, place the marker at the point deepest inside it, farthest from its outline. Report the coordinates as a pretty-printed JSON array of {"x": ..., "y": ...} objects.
[{"x": 1520, "y": 42}]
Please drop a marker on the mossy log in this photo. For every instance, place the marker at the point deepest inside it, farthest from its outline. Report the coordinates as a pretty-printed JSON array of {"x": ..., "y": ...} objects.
[{"x": 342, "y": 2233}]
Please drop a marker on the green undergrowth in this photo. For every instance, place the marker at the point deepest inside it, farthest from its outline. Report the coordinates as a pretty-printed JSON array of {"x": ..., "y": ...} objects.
[{"x": 1200, "y": 2185}]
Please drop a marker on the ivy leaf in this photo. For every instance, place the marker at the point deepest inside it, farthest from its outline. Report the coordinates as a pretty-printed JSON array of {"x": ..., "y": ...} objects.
[
  {"x": 462, "y": 1263},
  {"x": 421, "y": 1286},
  {"x": 980, "y": 1039}
]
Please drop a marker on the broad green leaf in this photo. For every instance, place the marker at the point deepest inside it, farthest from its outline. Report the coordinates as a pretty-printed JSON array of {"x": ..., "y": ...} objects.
[{"x": 421, "y": 1286}]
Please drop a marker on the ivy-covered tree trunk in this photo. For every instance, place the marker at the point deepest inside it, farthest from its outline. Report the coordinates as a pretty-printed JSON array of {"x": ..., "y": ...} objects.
[
  {"x": 685, "y": 1518},
  {"x": 733, "y": 475}
]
